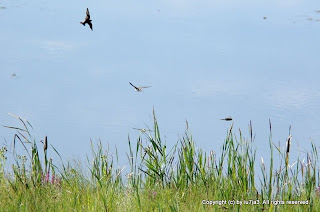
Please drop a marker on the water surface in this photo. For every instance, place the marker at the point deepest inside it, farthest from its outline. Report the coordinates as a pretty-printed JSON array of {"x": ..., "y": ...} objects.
[{"x": 205, "y": 60}]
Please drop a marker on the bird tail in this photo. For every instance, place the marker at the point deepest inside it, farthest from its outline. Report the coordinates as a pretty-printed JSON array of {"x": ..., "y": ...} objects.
[{"x": 82, "y": 23}]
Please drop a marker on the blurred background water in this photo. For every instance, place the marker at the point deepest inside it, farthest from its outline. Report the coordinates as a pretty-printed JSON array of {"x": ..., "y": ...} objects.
[{"x": 205, "y": 60}]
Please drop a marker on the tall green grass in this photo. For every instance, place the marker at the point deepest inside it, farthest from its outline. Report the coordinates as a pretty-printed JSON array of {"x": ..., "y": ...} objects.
[{"x": 158, "y": 178}]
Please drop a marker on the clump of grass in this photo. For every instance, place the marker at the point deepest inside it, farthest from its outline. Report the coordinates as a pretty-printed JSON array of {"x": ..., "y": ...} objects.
[
  {"x": 179, "y": 179},
  {"x": 38, "y": 172},
  {"x": 3, "y": 159}
]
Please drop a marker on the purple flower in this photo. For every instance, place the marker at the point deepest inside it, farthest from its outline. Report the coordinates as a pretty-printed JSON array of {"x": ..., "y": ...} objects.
[{"x": 47, "y": 177}]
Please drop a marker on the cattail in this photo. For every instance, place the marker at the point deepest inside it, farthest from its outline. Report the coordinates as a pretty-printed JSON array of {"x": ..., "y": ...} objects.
[
  {"x": 45, "y": 144},
  {"x": 288, "y": 143},
  {"x": 287, "y": 154}
]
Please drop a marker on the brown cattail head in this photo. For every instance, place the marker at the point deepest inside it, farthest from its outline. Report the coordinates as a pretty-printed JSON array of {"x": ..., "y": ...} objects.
[
  {"x": 45, "y": 146},
  {"x": 288, "y": 143}
]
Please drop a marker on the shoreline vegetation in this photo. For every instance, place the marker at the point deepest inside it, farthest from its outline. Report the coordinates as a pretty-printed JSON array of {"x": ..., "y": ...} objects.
[{"x": 183, "y": 178}]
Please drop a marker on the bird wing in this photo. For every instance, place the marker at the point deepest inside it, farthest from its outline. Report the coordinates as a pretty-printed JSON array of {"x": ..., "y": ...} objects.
[
  {"x": 133, "y": 86},
  {"x": 145, "y": 87},
  {"x": 88, "y": 14},
  {"x": 90, "y": 24}
]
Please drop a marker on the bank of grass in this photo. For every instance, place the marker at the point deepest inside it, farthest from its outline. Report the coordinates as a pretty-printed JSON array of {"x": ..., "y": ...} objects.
[{"x": 158, "y": 178}]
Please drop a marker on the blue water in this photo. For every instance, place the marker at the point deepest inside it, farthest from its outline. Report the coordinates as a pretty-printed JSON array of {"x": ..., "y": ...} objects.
[{"x": 205, "y": 60}]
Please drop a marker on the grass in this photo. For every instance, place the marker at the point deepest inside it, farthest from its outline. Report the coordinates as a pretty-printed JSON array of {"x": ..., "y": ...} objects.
[{"x": 181, "y": 178}]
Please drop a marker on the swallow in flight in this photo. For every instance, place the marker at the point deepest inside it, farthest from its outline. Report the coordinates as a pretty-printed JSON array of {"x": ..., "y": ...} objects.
[
  {"x": 87, "y": 20},
  {"x": 139, "y": 89},
  {"x": 227, "y": 119}
]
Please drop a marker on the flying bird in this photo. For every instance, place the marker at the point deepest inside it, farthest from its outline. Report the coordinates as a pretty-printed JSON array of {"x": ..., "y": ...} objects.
[
  {"x": 139, "y": 89},
  {"x": 227, "y": 119},
  {"x": 87, "y": 20}
]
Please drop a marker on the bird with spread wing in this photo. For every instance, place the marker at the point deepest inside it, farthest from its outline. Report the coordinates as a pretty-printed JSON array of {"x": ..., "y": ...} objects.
[
  {"x": 227, "y": 119},
  {"x": 87, "y": 20},
  {"x": 139, "y": 89}
]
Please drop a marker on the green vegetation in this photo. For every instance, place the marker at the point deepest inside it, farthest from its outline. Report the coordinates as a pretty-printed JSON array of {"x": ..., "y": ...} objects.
[{"x": 159, "y": 179}]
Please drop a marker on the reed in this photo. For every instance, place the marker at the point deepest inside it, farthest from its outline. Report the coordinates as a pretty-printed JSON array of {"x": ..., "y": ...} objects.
[{"x": 157, "y": 178}]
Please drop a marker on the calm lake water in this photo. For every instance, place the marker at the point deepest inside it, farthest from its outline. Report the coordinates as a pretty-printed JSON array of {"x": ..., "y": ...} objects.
[{"x": 205, "y": 60}]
